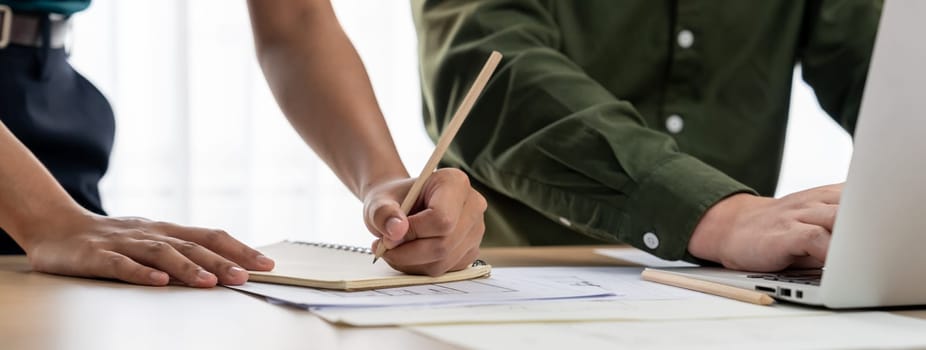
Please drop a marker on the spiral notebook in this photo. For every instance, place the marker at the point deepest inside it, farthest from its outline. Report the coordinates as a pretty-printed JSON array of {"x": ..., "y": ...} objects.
[{"x": 334, "y": 266}]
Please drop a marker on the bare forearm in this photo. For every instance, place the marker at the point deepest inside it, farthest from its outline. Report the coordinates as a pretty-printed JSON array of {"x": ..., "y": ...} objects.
[
  {"x": 320, "y": 84},
  {"x": 29, "y": 195}
]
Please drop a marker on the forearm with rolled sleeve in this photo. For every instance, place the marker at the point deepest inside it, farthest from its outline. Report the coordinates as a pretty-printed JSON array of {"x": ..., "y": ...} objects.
[{"x": 554, "y": 139}]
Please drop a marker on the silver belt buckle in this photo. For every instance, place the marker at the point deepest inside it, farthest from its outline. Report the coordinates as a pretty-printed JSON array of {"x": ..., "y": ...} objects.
[{"x": 6, "y": 15}]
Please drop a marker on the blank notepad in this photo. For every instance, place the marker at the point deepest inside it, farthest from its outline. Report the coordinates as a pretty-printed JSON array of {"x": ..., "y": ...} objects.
[{"x": 333, "y": 266}]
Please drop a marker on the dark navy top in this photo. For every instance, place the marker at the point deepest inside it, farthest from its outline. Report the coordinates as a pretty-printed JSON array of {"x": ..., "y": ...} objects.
[
  {"x": 62, "y": 118},
  {"x": 64, "y": 7}
]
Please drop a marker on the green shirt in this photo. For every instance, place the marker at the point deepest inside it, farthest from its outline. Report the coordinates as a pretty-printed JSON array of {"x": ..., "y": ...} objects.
[
  {"x": 64, "y": 7},
  {"x": 624, "y": 121}
]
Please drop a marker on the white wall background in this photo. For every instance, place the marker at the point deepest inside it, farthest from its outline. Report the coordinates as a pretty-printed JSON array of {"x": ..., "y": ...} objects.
[{"x": 201, "y": 142}]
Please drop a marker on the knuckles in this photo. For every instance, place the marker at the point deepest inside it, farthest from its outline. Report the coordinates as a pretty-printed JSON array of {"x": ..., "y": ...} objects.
[
  {"x": 216, "y": 236},
  {"x": 116, "y": 261},
  {"x": 453, "y": 176},
  {"x": 132, "y": 232},
  {"x": 93, "y": 246},
  {"x": 110, "y": 235},
  {"x": 189, "y": 267},
  {"x": 443, "y": 223},
  {"x": 186, "y": 248},
  {"x": 156, "y": 247},
  {"x": 481, "y": 203},
  {"x": 439, "y": 252},
  {"x": 135, "y": 221}
]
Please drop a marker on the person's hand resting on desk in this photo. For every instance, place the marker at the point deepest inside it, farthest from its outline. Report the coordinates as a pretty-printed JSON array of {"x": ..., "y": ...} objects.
[
  {"x": 752, "y": 233},
  {"x": 139, "y": 251},
  {"x": 443, "y": 232},
  {"x": 61, "y": 237}
]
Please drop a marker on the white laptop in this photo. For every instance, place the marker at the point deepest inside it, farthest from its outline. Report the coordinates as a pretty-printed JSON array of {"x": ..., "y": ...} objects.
[{"x": 877, "y": 255}]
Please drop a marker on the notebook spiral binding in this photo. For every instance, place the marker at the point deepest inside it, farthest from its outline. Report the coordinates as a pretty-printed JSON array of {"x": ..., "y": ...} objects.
[
  {"x": 349, "y": 248},
  {"x": 356, "y": 249}
]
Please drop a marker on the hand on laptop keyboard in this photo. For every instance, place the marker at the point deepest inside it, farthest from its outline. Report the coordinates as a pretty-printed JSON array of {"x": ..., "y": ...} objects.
[{"x": 752, "y": 233}]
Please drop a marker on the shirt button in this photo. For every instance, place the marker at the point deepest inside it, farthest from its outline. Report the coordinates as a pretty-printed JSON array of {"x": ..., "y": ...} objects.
[
  {"x": 650, "y": 240},
  {"x": 565, "y": 221},
  {"x": 685, "y": 38},
  {"x": 675, "y": 124}
]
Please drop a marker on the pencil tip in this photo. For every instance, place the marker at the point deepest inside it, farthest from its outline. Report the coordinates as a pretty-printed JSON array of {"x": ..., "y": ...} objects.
[{"x": 375, "y": 258}]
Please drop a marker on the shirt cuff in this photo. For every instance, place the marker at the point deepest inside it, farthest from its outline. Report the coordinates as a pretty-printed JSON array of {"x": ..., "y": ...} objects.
[{"x": 664, "y": 211}]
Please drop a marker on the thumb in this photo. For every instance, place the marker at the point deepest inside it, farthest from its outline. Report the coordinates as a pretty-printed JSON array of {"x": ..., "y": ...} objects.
[{"x": 389, "y": 220}]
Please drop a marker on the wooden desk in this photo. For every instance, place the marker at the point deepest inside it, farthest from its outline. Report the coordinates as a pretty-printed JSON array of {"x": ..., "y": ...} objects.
[{"x": 39, "y": 311}]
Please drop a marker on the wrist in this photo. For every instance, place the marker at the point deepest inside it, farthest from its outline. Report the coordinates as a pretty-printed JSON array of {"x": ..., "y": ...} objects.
[
  {"x": 715, "y": 227},
  {"x": 377, "y": 180},
  {"x": 33, "y": 229}
]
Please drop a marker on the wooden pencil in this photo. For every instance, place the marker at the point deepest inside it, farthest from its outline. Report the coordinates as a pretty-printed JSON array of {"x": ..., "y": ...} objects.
[
  {"x": 444, "y": 141},
  {"x": 708, "y": 287}
]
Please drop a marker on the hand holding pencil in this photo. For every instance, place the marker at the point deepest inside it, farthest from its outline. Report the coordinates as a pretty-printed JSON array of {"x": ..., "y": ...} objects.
[
  {"x": 443, "y": 232},
  {"x": 444, "y": 224}
]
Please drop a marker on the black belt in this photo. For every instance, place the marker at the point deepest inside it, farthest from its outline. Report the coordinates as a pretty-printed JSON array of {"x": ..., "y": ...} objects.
[{"x": 25, "y": 28}]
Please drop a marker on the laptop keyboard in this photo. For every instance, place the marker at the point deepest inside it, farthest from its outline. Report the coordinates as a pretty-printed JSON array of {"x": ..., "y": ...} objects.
[{"x": 809, "y": 277}]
